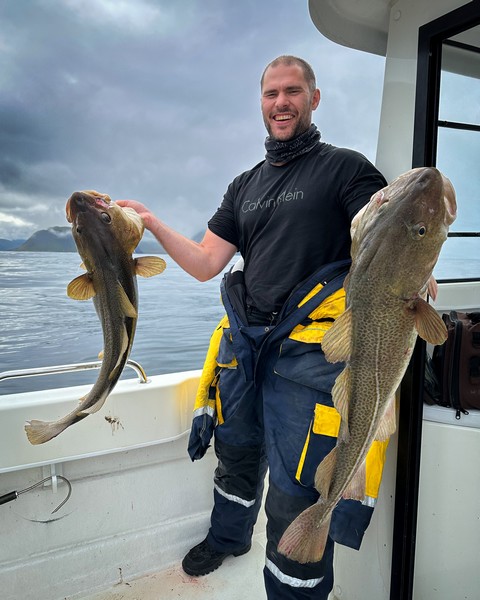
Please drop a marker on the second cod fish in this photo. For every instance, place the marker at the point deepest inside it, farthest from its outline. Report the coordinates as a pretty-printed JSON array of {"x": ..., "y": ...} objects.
[
  {"x": 395, "y": 245},
  {"x": 106, "y": 236}
]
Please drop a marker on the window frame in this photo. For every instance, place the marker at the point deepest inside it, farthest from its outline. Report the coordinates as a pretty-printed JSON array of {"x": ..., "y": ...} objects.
[{"x": 426, "y": 123}]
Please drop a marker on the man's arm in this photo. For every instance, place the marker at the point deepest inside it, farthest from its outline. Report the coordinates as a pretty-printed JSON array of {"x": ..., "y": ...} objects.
[{"x": 202, "y": 260}]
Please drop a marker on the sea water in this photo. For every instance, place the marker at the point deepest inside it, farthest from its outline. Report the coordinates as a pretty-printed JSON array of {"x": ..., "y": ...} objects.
[{"x": 41, "y": 326}]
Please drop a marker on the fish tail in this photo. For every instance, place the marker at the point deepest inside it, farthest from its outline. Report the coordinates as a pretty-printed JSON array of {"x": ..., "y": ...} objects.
[
  {"x": 304, "y": 540},
  {"x": 39, "y": 432}
]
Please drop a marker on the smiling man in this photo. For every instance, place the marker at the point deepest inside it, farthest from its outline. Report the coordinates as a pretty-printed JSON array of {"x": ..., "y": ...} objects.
[
  {"x": 289, "y": 96},
  {"x": 265, "y": 391}
]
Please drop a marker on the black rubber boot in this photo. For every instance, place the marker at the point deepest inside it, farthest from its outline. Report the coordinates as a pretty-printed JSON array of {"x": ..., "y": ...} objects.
[{"x": 202, "y": 559}]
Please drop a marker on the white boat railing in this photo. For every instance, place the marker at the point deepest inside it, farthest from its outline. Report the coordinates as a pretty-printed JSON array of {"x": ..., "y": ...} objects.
[
  {"x": 70, "y": 368},
  {"x": 135, "y": 415}
]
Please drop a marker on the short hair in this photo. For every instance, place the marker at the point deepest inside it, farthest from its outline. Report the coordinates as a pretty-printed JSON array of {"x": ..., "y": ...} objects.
[{"x": 288, "y": 61}]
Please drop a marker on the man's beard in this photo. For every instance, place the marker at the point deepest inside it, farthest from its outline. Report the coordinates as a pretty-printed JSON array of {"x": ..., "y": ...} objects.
[{"x": 300, "y": 128}]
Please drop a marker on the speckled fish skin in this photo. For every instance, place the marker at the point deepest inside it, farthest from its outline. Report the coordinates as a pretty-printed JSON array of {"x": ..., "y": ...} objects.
[
  {"x": 106, "y": 236},
  {"x": 396, "y": 242}
]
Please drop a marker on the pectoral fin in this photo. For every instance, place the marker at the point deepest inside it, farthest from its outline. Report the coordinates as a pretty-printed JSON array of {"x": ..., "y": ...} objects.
[
  {"x": 127, "y": 307},
  {"x": 148, "y": 266},
  {"x": 337, "y": 342},
  {"x": 81, "y": 288},
  {"x": 428, "y": 323}
]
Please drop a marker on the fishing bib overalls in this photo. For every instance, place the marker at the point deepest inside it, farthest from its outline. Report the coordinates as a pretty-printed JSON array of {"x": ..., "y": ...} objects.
[{"x": 265, "y": 392}]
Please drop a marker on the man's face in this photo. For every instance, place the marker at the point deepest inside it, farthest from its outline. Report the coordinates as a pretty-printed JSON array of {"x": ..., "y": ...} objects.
[{"x": 287, "y": 102}]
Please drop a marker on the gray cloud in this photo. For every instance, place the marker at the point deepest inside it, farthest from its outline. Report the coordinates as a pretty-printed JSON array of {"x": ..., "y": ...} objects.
[{"x": 156, "y": 100}]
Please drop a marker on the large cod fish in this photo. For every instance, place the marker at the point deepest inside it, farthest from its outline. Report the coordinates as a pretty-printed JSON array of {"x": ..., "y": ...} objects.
[
  {"x": 106, "y": 236},
  {"x": 396, "y": 240}
]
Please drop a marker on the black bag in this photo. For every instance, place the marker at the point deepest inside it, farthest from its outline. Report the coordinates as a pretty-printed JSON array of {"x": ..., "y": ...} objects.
[{"x": 452, "y": 376}]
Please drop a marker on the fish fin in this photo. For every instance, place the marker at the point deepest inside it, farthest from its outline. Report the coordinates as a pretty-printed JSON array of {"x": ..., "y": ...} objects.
[
  {"x": 39, "y": 432},
  {"x": 127, "y": 307},
  {"x": 428, "y": 323},
  {"x": 81, "y": 288},
  {"x": 82, "y": 400},
  {"x": 337, "y": 342},
  {"x": 388, "y": 422},
  {"x": 121, "y": 355},
  {"x": 101, "y": 354},
  {"x": 324, "y": 473},
  {"x": 94, "y": 408},
  {"x": 303, "y": 541},
  {"x": 82, "y": 266},
  {"x": 343, "y": 433},
  {"x": 148, "y": 266},
  {"x": 355, "y": 490},
  {"x": 341, "y": 394}
]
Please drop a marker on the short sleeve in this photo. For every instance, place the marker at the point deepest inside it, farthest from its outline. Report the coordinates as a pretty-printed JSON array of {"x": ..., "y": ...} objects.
[{"x": 223, "y": 221}]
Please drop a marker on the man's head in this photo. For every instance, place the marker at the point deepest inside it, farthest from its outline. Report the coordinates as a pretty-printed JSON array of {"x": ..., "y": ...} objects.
[{"x": 288, "y": 96}]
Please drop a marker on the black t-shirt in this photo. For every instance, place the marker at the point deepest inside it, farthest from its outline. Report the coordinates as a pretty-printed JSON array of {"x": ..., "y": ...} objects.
[{"x": 289, "y": 220}]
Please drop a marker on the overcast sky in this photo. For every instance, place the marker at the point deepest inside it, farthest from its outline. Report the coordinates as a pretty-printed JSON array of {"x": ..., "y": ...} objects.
[{"x": 156, "y": 100}]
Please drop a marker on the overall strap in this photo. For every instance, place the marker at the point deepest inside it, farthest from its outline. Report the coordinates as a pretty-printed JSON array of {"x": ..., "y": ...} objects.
[
  {"x": 331, "y": 276},
  {"x": 242, "y": 345}
]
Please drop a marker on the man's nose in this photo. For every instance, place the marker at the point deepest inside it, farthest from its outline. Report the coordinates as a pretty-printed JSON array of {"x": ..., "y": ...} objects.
[{"x": 282, "y": 100}]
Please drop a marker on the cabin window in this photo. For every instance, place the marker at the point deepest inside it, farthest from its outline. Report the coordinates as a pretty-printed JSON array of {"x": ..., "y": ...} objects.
[
  {"x": 458, "y": 150},
  {"x": 447, "y": 131}
]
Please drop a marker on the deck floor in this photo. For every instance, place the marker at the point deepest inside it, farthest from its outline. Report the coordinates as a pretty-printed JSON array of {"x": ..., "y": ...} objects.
[{"x": 238, "y": 578}]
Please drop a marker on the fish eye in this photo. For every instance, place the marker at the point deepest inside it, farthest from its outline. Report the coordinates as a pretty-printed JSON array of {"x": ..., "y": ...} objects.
[
  {"x": 421, "y": 230},
  {"x": 106, "y": 218}
]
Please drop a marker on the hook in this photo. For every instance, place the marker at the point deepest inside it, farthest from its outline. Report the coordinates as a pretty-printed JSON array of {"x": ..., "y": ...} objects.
[{"x": 14, "y": 495}]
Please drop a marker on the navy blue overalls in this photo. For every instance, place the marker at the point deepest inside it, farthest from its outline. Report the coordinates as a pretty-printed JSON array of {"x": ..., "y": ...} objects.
[{"x": 268, "y": 401}]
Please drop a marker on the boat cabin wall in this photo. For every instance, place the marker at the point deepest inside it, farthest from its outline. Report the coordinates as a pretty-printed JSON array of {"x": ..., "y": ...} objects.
[{"x": 395, "y": 142}]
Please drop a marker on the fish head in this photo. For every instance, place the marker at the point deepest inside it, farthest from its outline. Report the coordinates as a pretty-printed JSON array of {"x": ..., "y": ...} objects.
[
  {"x": 96, "y": 220},
  {"x": 406, "y": 223}
]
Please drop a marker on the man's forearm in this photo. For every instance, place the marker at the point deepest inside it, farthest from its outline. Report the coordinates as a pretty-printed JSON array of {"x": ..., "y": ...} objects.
[{"x": 202, "y": 260}]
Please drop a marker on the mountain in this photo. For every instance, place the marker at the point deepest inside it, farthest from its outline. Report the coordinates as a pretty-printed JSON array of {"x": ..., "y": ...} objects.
[
  {"x": 54, "y": 239},
  {"x": 59, "y": 239},
  {"x": 10, "y": 244}
]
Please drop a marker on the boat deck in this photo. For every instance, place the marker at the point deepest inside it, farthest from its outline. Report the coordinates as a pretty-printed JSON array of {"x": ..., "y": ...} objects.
[{"x": 237, "y": 579}]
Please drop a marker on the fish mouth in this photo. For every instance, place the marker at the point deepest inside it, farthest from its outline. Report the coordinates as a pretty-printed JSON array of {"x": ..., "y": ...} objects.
[{"x": 80, "y": 202}]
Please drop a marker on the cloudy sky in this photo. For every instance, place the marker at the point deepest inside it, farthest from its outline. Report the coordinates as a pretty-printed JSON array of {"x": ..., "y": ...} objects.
[{"x": 156, "y": 100}]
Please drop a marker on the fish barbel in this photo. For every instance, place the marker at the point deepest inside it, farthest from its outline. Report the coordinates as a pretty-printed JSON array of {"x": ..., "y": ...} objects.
[
  {"x": 106, "y": 236},
  {"x": 396, "y": 240}
]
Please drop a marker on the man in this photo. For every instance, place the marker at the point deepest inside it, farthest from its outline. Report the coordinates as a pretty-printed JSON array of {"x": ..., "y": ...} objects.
[{"x": 265, "y": 388}]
